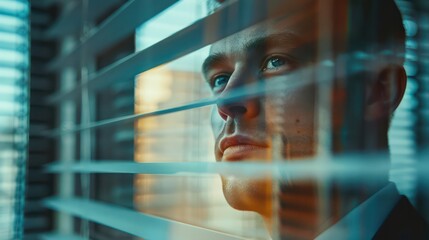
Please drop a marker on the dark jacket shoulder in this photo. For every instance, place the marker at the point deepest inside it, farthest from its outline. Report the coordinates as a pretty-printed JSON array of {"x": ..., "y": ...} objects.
[{"x": 403, "y": 223}]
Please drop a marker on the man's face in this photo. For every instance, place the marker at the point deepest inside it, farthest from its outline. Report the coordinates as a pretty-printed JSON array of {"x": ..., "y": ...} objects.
[
  {"x": 281, "y": 56},
  {"x": 244, "y": 129}
]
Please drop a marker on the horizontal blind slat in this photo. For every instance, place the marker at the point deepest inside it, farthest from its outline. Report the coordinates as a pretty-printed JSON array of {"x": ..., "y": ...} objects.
[
  {"x": 71, "y": 20},
  {"x": 120, "y": 24},
  {"x": 185, "y": 41},
  {"x": 132, "y": 222},
  {"x": 56, "y": 236},
  {"x": 302, "y": 168},
  {"x": 122, "y": 119},
  {"x": 251, "y": 90},
  {"x": 258, "y": 89}
]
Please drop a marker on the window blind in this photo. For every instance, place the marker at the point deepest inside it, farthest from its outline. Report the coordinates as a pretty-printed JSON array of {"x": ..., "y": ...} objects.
[
  {"x": 132, "y": 136},
  {"x": 13, "y": 115}
]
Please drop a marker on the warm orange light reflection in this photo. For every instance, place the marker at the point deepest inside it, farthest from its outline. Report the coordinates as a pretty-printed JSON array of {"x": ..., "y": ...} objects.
[{"x": 180, "y": 137}]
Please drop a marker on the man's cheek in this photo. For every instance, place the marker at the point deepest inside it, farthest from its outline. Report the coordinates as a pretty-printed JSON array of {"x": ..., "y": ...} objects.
[{"x": 292, "y": 109}]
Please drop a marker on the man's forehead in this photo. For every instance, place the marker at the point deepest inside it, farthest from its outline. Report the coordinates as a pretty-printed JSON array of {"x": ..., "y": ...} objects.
[
  {"x": 302, "y": 23},
  {"x": 241, "y": 41}
]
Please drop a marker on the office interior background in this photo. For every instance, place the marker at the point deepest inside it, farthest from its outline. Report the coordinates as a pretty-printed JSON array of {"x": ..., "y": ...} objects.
[{"x": 105, "y": 119}]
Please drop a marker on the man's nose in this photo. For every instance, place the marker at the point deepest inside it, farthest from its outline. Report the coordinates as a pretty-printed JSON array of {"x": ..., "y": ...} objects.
[{"x": 246, "y": 106}]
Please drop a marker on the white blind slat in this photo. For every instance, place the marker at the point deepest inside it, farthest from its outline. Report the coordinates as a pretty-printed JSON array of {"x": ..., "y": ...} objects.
[
  {"x": 185, "y": 41},
  {"x": 120, "y": 24},
  {"x": 135, "y": 223}
]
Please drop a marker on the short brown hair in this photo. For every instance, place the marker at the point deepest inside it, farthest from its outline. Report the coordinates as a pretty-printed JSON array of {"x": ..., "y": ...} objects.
[{"x": 374, "y": 25}]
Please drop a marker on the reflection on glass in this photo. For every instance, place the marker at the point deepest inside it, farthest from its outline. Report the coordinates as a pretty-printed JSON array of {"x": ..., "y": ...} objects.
[
  {"x": 367, "y": 82},
  {"x": 180, "y": 137},
  {"x": 317, "y": 82}
]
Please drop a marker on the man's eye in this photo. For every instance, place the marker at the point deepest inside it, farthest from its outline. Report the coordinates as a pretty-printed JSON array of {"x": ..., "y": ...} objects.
[
  {"x": 275, "y": 63},
  {"x": 219, "y": 82}
]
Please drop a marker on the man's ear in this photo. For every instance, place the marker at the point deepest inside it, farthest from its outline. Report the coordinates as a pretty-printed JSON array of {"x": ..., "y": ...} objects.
[{"x": 385, "y": 94}]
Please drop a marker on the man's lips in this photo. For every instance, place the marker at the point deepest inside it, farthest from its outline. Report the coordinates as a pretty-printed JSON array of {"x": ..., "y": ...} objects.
[
  {"x": 241, "y": 152},
  {"x": 239, "y": 148}
]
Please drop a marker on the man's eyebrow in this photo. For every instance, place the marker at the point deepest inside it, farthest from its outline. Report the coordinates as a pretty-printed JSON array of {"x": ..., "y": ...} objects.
[
  {"x": 212, "y": 60},
  {"x": 284, "y": 39}
]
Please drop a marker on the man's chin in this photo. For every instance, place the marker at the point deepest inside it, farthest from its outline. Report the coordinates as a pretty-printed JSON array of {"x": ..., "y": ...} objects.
[{"x": 248, "y": 194}]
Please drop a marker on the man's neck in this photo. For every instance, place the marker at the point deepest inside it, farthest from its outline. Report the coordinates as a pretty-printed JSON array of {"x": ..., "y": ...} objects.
[{"x": 308, "y": 211}]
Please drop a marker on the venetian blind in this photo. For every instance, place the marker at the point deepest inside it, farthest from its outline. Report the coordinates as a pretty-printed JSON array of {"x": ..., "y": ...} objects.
[{"x": 134, "y": 146}]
